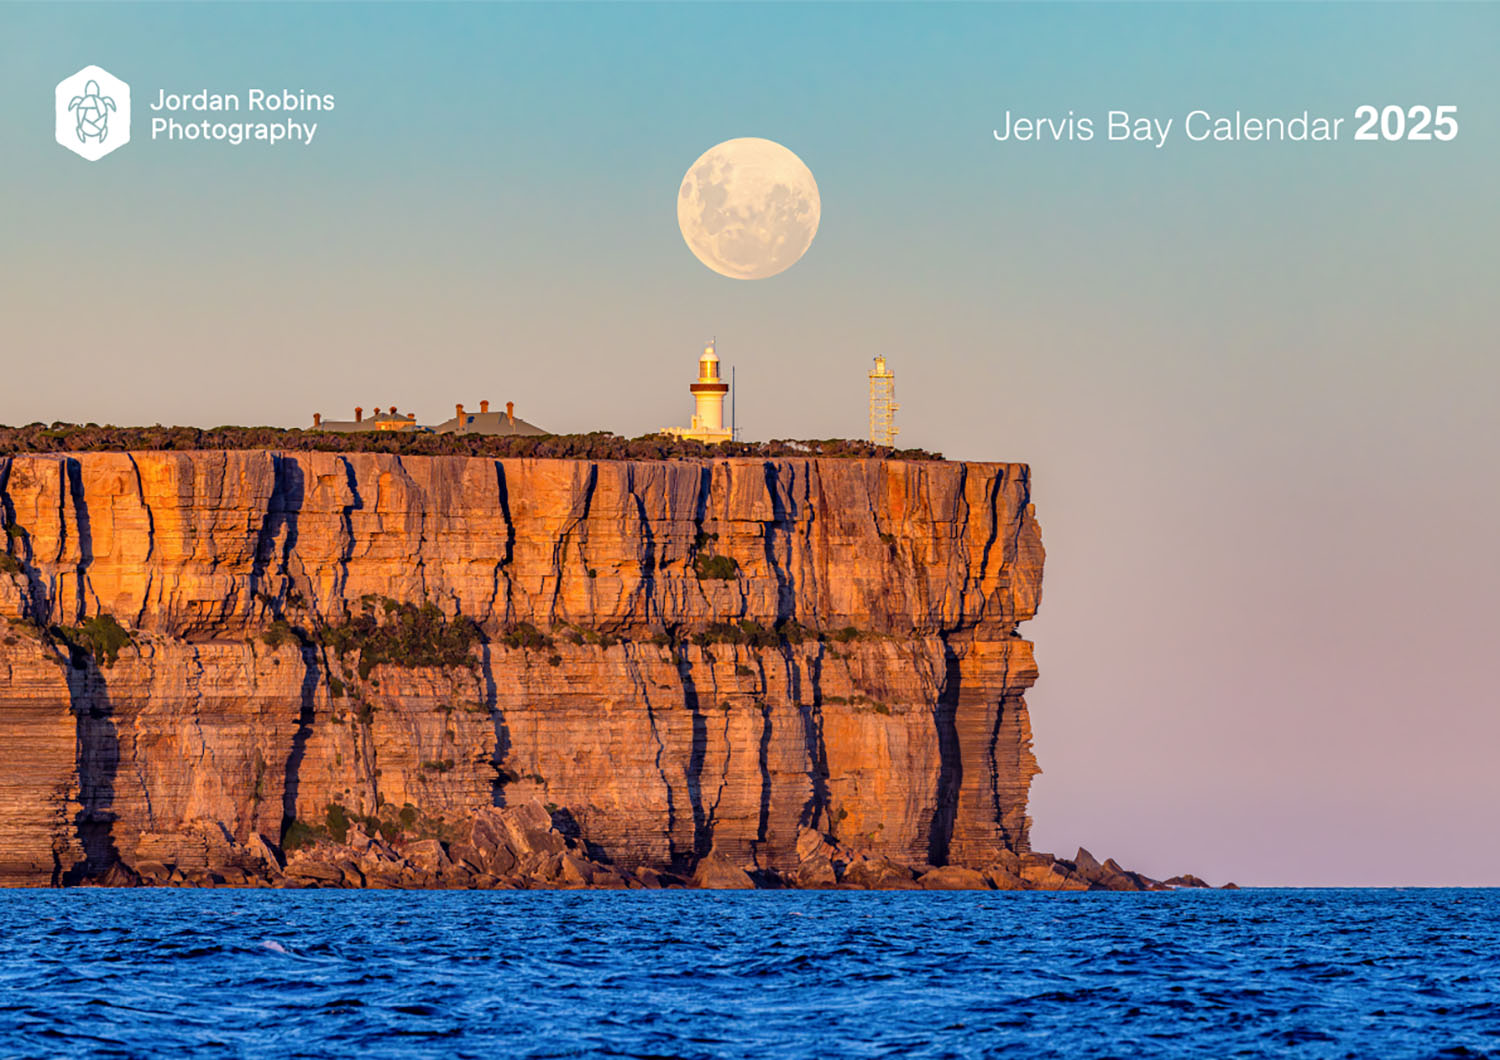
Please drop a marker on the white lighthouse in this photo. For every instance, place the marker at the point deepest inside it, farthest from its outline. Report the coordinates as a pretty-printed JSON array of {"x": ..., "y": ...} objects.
[{"x": 708, "y": 403}]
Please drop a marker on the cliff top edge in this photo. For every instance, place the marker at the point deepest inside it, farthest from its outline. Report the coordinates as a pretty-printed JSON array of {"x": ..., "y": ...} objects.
[{"x": 60, "y": 438}]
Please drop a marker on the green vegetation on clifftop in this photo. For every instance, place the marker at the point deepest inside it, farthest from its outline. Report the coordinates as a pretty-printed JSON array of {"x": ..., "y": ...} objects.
[{"x": 598, "y": 445}]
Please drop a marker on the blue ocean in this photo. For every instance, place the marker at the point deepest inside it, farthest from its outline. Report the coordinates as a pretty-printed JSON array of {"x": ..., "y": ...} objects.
[{"x": 1305, "y": 973}]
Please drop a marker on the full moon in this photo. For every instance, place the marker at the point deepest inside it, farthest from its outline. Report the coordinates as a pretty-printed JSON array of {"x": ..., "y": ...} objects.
[{"x": 748, "y": 208}]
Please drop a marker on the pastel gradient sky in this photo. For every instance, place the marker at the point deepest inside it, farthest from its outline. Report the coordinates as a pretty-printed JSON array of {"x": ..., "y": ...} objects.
[{"x": 1256, "y": 382}]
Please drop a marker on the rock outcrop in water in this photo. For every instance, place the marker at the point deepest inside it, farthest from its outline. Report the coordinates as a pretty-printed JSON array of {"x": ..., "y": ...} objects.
[{"x": 374, "y": 670}]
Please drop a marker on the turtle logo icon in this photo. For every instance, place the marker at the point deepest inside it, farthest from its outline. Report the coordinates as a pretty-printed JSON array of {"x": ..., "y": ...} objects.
[{"x": 93, "y": 113}]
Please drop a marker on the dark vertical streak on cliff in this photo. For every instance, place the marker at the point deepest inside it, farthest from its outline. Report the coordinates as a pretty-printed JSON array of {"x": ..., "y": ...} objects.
[
  {"x": 347, "y": 521},
  {"x": 97, "y": 763},
  {"x": 17, "y": 544},
  {"x": 992, "y": 782},
  {"x": 1023, "y": 503},
  {"x": 283, "y": 511},
  {"x": 497, "y": 719},
  {"x": 140, "y": 492},
  {"x": 715, "y": 698},
  {"x": 288, "y": 492},
  {"x": 306, "y": 715},
  {"x": 420, "y": 552},
  {"x": 74, "y": 471},
  {"x": 817, "y": 540},
  {"x": 705, "y": 491},
  {"x": 510, "y": 549},
  {"x": 491, "y": 694},
  {"x": 580, "y": 522},
  {"x": 763, "y": 756},
  {"x": 633, "y": 667},
  {"x": 700, "y": 513},
  {"x": 961, "y": 570},
  {"x": 44, "y": 613},
  {"x": 647, "y": 590},
  {"x": 97, "y": 737},
  {"x": 702, "y": 828},
  {"x": 35, "y": 605},
  {"x": 786, "y": 591},
  {"x": 7, "y": 506},
  {"x": 992, "y": 513},
  {"x": 950, "y": 767},
  {"x": 763, "y": 822},
  {"x": 815, "y": 809}
]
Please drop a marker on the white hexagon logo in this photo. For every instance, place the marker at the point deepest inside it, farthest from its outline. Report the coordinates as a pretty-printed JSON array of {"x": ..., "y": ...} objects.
[{"x": 93, "y": 113}]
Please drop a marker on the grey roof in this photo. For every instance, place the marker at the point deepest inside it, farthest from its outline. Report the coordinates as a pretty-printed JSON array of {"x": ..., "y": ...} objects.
[
  {"x": 371, "y": 423},
  {"x": 488, "y": 423}
]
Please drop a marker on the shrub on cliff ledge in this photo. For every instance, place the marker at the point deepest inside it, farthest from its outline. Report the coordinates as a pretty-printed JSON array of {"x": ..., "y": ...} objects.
[
  {"x": 100, "y": 637},
  {"x": 278, "y": 633},
  {"x": 404, "y": 635},
  {"x": 525, "y": 635},
  {"x": 753, "y": 634},
  {"x": 716, "y": 568}
]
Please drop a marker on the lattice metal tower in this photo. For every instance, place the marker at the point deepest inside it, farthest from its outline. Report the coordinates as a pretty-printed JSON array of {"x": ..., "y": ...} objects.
[{"x": 883, "y": 407}]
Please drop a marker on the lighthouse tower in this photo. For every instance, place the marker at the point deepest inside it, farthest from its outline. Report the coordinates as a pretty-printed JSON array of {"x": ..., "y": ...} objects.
[
  {"x": 708, "y": 401},
  {"x": 883, "y": 407}
]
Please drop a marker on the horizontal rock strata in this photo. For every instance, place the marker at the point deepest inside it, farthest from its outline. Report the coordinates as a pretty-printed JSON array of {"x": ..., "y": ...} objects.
[{"x": 370, "y": 670}]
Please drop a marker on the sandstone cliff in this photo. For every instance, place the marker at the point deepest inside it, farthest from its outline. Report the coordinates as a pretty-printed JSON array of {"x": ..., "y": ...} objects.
[{"x": 373, "y": 669}]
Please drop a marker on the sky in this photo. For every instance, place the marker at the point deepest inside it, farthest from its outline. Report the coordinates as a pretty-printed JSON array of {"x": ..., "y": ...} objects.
[{"x": 1255, "y": 382}]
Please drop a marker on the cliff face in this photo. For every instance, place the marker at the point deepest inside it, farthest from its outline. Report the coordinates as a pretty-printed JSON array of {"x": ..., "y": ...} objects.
[{"x": 688, "y": 664}]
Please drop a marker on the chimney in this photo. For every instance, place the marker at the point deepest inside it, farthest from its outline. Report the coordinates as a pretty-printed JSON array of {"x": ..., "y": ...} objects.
[
  {"x": 484, "y": 406},
  {"x": 317, "y": 419},
  {"x": 460, "y": 408},
  {"x": 359, "y": 414},
  {"x": 510, "y": 413},
  {"x": 411, "y": 415},
  {"x": 393, "y": 410}
]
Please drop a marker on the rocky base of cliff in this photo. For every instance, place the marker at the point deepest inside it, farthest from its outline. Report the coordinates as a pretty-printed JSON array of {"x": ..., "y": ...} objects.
[{"x": 521, "y": 848}]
